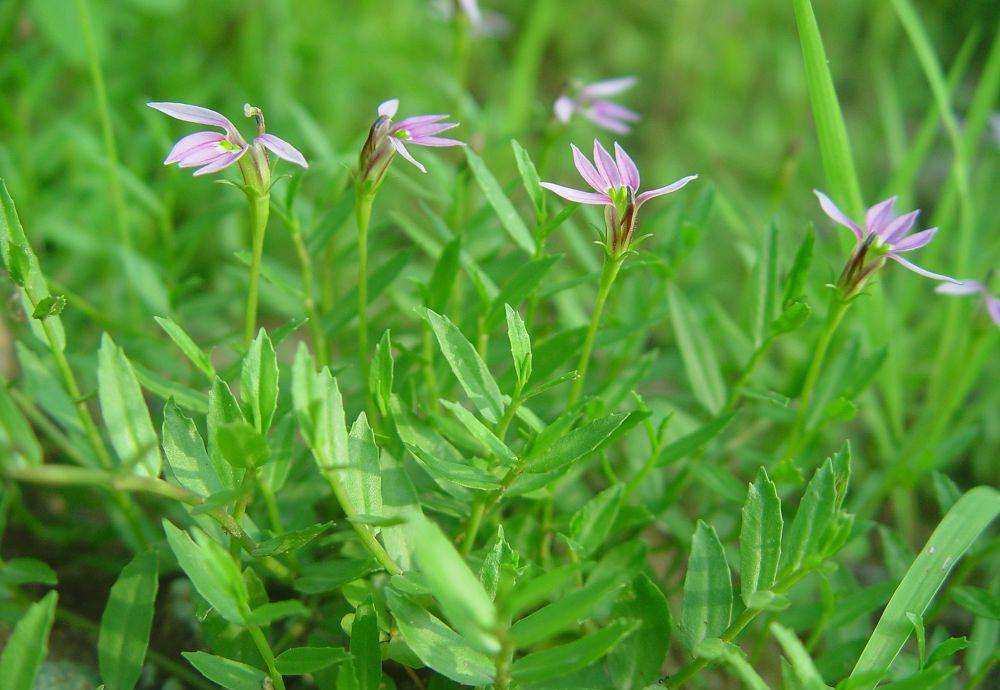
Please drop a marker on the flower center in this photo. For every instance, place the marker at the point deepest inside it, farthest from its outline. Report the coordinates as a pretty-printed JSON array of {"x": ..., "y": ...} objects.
[
  {"x": 403, "y": 134},
  {"x": 227, "y": 145}
]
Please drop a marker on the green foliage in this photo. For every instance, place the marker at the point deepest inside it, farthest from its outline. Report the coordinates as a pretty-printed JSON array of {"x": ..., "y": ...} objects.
[{"x": 126, "y": 623}]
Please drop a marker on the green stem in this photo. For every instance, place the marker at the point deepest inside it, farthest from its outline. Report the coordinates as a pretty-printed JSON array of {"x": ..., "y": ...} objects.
[
  {"x": 308, "y": 287},
  {"x": 107, "y": 130},
  {"x": 504, "y": 662},
  {"x": 835, "y": 314},
  {"x": 608, "y": 274},
  {"x": 265, "y": 651},
  {"x": 472, "y": 528},
  {"x": 259, "y": 210},
  {"x": 363, "y": 213}
]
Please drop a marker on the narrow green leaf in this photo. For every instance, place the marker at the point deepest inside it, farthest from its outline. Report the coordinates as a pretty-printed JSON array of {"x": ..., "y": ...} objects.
[
  {"x": 463, "y": 600},
  {"x": 953, "y": 536},
  {"x": 509, "y": 218},
  {"x": 529, "y": 176},
  {"x": 636, "y": 661},
  {"x": 212, "y": 571},
  {"x": 187, "y": 459},
  {"x": 834, "y": 146},
  {"x": 291, "y": 541},
  {"x": 572, "y": 656},
  {"x": 437, "y": 645},
  {"x": 365, "y": 647},
  {"x": 188, "y": 346},
  {"x": 299, "y": 661},
  {"x": 520, "y": 344},
  {"x": 525, "y": 279},
  {"x": 697, "y": 439},
  {"x": 977, "y": 601},
  {"x": 232, "y": 675},
  {"x": 361, "y": 478},
  {"x": 329, "y": 576},
  {"x": 380, "y": 382},
  {"x": 266, "y": 614},
  {"x": 797, "y": 275},
  {"x": 760, "y": 537},
  {"x": 124, "y": 410},
  {"x": 242, "y": 445},
  {"x": 715, "y": 650},
  {"x": 468, "y": 367},
  {"x": 259, "y": 382},
  {"x": 481, "y": 433},
  {"x": 708, "y": 591},
  {"x": 126, "y": 623},
  {"x": 813, "y": 518},
  {"x": 767, "y": 284},
  {"x": 592, "y": 523},
  {"x": 529, "y": 593},
  {"x": 26, "y": 571},
  {"x": 222, "y": 409},
  {"x": 802, "y": 664},
  {"x": 16, "y": 435},
  {"x": 700, "y": 362},
  {"x": 28, "y": 644},
  {"x": 583, "y": 441},
  {"x": 442, "y": 281}
]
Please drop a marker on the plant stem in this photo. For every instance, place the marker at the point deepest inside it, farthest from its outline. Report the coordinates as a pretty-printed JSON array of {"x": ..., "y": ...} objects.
[
  {"x": 308, "y": 286},
  {"x": 265, "y": 651},
  {"x": 835, "y": 314},
  {"x": 472, "y": 528},
  {"x": 259, "y": 209},
  {"x": 609, "y": 272},
  {"x": 504, "y": 661},
  {"x": 107, "y": 130},
  {"x": 363, "y": 213}
]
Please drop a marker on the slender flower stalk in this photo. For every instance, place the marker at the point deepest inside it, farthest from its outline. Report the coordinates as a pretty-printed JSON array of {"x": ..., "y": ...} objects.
[
  {"x": 386, "y": 139},
  {"x": 211, "y": 152},
  {"x": 591, "y": 101},
  {"x": 615, "y": 183},
  {"x": 882, "y": 236}
]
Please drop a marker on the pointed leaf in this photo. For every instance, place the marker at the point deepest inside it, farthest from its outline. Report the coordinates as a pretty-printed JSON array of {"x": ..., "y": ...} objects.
[
  {"x": 124, "y": 410},
  {"x": 708, "y": 590},
  {"x": 126, "y": 623}
]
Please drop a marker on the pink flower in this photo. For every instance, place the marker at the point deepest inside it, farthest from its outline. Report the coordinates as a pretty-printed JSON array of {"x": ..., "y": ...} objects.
[
  {"x": 590, "y": 100},
  {"x": 615, "y": 184},
  {"x": 884, "y": 236},
  {"x": 214, "y": 151},
  {"x": 973, "y": 287}
]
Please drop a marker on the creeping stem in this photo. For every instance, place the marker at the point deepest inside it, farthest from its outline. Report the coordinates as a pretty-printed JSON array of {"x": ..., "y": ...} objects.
[
  {"x": 838, "y": 307},
  {"x": 612, "y": 263},
  {"x": 259, "y": 202}
]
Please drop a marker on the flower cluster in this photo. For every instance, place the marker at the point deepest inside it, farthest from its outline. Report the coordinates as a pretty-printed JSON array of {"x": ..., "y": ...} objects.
[
  {"x": 211, "y": 152},
  {"x": 615, "y": 181},
  {"x": 386, "y": 139},
  {"x": 591, "y": 101},
  {"x": 884, "y": 235}
]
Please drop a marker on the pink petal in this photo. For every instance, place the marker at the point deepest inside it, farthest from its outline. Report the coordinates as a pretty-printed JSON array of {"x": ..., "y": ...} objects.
[
  {"x": 652, "y": 193},
  {"x": 898, "y": 228},
  {"x": 606, "y": 165},
  {"x": 412, "y": 123},
  {"x": 577, "y": 195},
  {"x": 608, "y": 87},
  {"x": 282, "y": 149},
  {"x": 200, "y": 155},
  {"x": 401, "y": 150},
  {"x": 223, "y": 161},
  {"x": 608, "y": 123},
  {"x": 993, "y": 308},
  {"x": 192, "y": 141},
  {"x": 389, "y": 108},
  {"x": 915, "y": 241},
  {"x": 430, "y": 129},
  {"x": 919, "y": 271},
  {"x": 835, "y": 214},
  {"x": 878, "y": 215},
  {"x": 587, "y": 170},
  {"x": 194, "y": 113},
  {"x": 564, "y": 107},
  {"x": 613, "y": 110},
  {"x": 961, "y": 287},
  {"x": 627, "y": 167},
  {"x": 435, "y": 141}
]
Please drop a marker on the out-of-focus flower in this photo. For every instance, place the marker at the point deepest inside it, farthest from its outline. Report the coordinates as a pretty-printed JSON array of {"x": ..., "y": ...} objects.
[
  {"x": 615, "y": 181},
  {"x": 883, "y": 236},
  {"x": 385, "y": 139},
  {"x": 591, "y": 101},
  {"x": 214, "y": 151},
  {"x": 974, "y": 287},
  {"x": 484, "y": 23}
]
